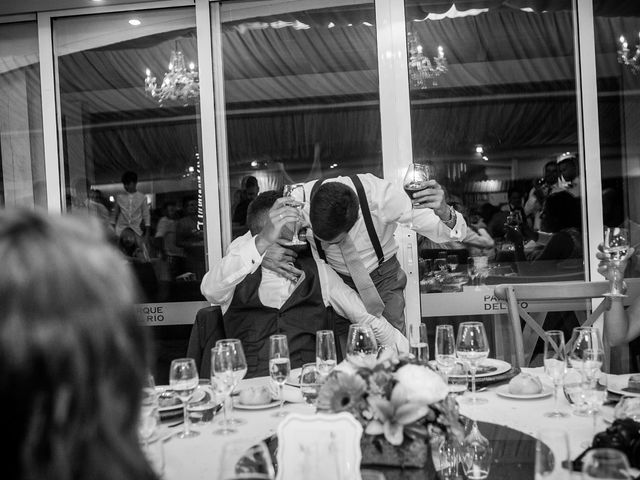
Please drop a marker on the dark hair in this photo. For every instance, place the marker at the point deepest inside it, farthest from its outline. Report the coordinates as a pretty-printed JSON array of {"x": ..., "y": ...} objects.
[
  {"x": 258, "y": 208},
  {"x": 72, "y": 355},
  {"x": 561, "y": 210},
  {"x": 333, "y": 210},
  {"x": 249, "y": 181},
  {"x": 128, "y": 177}
]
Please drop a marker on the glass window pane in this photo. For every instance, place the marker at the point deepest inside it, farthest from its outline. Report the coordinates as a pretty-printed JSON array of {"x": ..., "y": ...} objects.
[
  {"x": 493, "y": 108},
  {"x": 21, "y": 142},
  {"x": 131, "y": 155},
  {"x": 301, "y": 93}
]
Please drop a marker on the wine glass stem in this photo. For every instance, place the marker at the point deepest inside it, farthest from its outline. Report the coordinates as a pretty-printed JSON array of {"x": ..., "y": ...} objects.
[
  {"x": 595, "y": 414},
  {"x": 281, "y": 388},
  {"x": 187, "y": 424},
  {"x": 230, "y": 404},
  {"x": 555, "y": 397},
  {"x": 225, "y": 421},
  {"x": 472, "y": 369}
]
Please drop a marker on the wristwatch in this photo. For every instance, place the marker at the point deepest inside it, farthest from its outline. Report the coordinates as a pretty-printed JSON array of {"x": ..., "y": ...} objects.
[{"x": 452, "y": 218}]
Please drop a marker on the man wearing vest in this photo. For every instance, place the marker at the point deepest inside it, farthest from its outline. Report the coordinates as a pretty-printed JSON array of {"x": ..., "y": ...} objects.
[
  {"x": 353, "y": 221},
  {"x": 257, "y": 302}
]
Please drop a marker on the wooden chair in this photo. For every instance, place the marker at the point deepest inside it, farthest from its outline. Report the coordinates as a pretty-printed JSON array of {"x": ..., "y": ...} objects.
[{"x": 545, "y": 297}]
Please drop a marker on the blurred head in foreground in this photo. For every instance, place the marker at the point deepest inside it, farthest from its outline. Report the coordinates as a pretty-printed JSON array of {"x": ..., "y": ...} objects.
[{"x": 72, "y": 357}]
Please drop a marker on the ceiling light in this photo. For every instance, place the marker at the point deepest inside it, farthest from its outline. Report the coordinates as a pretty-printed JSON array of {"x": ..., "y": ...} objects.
[
  {"x": 479, "y": 149},
  {"x": 485, "y": 158},
  {"x": 134, "y": 21}
]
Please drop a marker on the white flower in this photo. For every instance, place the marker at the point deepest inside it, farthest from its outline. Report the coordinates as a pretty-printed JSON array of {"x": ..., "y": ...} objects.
[{"x": 421, "y": 384}]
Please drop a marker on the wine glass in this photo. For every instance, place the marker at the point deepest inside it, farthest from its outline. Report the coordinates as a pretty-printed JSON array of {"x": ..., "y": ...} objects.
[
  {"x": 573, "y": 387},
  {"x": 361, "y": 343},
  {"x": 605, "y": 463},
  {"x": 477, "y": 454},
  {"x": 418, "y": 346},
  {"x": 583, "y": 339},
  {"x": 222, "y": 381},
  {"x": 183, "y": 379},
  {"x": 595, "y": 386},
  {"x": 555, "y": 365},
  {"x": 310, "y": 380},
  {"x": 279, "y": 366},
  {"x": 452, "y": 262},
  {"x": 149, "y": 411},
  {"x": 290, "y": 192},
  {"x": 552, "y": 450},
  {"x": 473, "y": 347},
  {"x": 253, "y": 462},
  {"x": 445, "y": 350},
  {"x": 239, "y": 364},
  {"x": 616, "y": 244},
  {"x": 415, "y": 180},
  {"x": 326, "y": 357}
]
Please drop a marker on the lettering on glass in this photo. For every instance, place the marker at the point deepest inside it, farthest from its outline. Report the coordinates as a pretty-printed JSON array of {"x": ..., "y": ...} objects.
[
  {"x": 493, "y": 303},
  {"x": 150, "y": 313}
]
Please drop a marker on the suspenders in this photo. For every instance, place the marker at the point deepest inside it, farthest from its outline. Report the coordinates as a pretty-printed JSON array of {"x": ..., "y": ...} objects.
[{"x": 366, "y": 216}]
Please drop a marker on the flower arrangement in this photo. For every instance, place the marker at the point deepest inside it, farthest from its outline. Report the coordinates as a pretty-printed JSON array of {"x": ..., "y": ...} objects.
[{"x": 400, "y": 404}]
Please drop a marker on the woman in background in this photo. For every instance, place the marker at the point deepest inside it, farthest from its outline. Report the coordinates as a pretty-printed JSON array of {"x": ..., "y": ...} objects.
[{"x": 72, "y": 357}]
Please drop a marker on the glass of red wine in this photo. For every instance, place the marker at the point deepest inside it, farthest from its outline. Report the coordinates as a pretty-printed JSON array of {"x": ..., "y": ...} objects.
[{"x": 415, "y": 180}]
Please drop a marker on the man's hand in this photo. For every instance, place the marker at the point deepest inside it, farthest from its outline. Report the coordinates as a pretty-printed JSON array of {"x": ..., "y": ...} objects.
[
  {"x": 280, "y": 260},
  {"x": 603, "y": 265},
  {"x": 280, "y": 214},
  {"x": 431, "y": 197}
]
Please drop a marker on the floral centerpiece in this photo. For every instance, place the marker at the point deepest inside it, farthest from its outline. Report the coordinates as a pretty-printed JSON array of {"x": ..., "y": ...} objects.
[{"x": 400, "y": 404}]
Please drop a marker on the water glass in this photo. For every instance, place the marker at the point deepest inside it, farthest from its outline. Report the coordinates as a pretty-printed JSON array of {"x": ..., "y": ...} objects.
[
  {"x": 202, "y": 406},
  {"x": 605, "y": 463},
  {"x": 183, "y": 379},
  {"x": 555, "y": 365},
  {"x": 242, "y": 462},
  {"x": 310, "y": 381},
  {"x": 418, "y": 345},
  {"x": 552, "y": 449},
  {"x": 595, "y": 394},
  {"x": 361, "y": 342},
  {"x": 239, "y": 367},
  {"x": 279, "y": 366},
  {"x": 472, "y": 347},
  {"x": 222, "y": 382},
  {"x": 573, "y": 387},
  {"x": 326, "y": 357},
  {"x": 445, "y": 346},
  {"x": 477, "y": 455}
]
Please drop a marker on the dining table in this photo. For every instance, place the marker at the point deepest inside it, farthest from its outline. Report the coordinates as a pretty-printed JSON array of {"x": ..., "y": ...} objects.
[{"x": 199, "y": 458}]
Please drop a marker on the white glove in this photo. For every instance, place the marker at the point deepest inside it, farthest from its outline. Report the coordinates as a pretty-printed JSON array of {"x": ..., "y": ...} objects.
[{"x": 388, "y": 336}]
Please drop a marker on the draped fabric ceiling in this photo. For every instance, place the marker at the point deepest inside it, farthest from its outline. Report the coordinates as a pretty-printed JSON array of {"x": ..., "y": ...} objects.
[{"x": 510, "y": 86}]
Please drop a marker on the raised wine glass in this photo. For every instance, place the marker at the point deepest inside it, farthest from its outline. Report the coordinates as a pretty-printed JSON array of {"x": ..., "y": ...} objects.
[
  {"x": 415, "y": 180},
  {"x": 326, "y": 357},
  {"x": 418, "y": 343},
  {"x": 361, "y": 343},
  {"x": 239, "y": 366},
  {"x": 222, "y": 382},
  {"x": 296, "y": 198},
  {"x": 183, "y": 379},
  {"x": 616, "y": 244},
  {"x": 279, "y": 366},
  {"x": 555, "y": 365},
  {"x": 472, "y": 348},
  {"x": 445, "y": 350}
]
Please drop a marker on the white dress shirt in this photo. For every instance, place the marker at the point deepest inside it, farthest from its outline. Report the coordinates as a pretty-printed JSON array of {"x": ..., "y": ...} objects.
[
  {"x": 134, "y": 209},
  {"x": 389, "y": 206}
]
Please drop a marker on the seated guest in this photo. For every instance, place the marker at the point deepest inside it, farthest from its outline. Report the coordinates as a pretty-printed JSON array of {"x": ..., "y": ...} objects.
[
  {"x": 72, "y": 356},
  {"x": 257, "y": 302}
]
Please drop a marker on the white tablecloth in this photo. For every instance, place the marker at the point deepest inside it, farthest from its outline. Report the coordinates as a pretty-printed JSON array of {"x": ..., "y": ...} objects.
[{"x": 199, "y": 458}]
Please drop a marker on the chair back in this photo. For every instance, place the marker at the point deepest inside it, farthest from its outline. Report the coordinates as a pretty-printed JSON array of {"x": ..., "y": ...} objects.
[{"x": 207, "y": 329}]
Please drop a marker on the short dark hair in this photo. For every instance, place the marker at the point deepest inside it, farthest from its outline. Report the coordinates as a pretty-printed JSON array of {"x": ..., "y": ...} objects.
[
  {"x": 562, "y": 210},
  {"x": 333, "y": 210},
  {"x": 258, "y": 208},
  {"x": 129, "y": 176}
]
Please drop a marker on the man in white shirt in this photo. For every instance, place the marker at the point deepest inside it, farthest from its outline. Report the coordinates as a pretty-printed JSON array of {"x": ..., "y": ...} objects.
[
  {"x": 131, "y": 209},
  {"x": 256, "y": 302},
  {"x": 338, "y": 210}
]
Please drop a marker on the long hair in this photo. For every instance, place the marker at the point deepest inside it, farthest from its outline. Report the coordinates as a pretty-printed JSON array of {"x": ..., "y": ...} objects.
[{"x": 72, "y": 356}]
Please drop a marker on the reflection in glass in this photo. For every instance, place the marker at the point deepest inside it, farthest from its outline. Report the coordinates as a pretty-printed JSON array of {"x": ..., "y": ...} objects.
[{"x": 132, "y": 156}]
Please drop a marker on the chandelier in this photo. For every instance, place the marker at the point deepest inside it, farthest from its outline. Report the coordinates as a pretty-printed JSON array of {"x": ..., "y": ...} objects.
[
  {"x": 421, "y": 70},
  {"x": 624, "y": 57},
  {"x": 180, "y": 84}
]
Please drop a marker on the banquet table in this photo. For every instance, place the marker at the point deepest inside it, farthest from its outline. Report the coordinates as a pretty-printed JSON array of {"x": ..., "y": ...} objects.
[{"x": 199, "y": 458}]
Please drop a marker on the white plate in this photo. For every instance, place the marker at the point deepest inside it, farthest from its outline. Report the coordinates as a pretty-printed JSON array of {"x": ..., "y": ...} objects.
[
  {"x": 178, "y": 406},
  {"x": 294, "y": 377},
  {"x": 263, "y": 406},
  {"x": 503, "y": 391},
  {"x": 500, "y": 365},
  {"x": 618, "y": 382}
]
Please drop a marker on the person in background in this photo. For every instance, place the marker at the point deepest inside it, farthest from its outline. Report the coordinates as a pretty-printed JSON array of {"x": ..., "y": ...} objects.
[
  {"x": 130, "y": 248},
  {"x": 131, "y": 209},
  {"x": 86, "y": 201},
  {"x": 249, "y": 191},
  {"x": 542, "y": 188},
  {"x": 568, "y": 174},
  {"x": 513, "y": 208},
  {"x": 73, "y": 358},
  {"x": 256, "y": 302},
  {"x": 190, "y": 237}
]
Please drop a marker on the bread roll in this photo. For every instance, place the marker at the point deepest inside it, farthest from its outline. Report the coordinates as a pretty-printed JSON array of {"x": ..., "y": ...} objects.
[
  {"x": 525, "y": 384},
  {"x": 255, "y": 396}
]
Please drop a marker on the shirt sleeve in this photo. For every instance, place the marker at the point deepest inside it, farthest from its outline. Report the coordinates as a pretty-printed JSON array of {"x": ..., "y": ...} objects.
[
  {"x": 344, "y": 300},
  {"x": 242, "y": 259}
]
